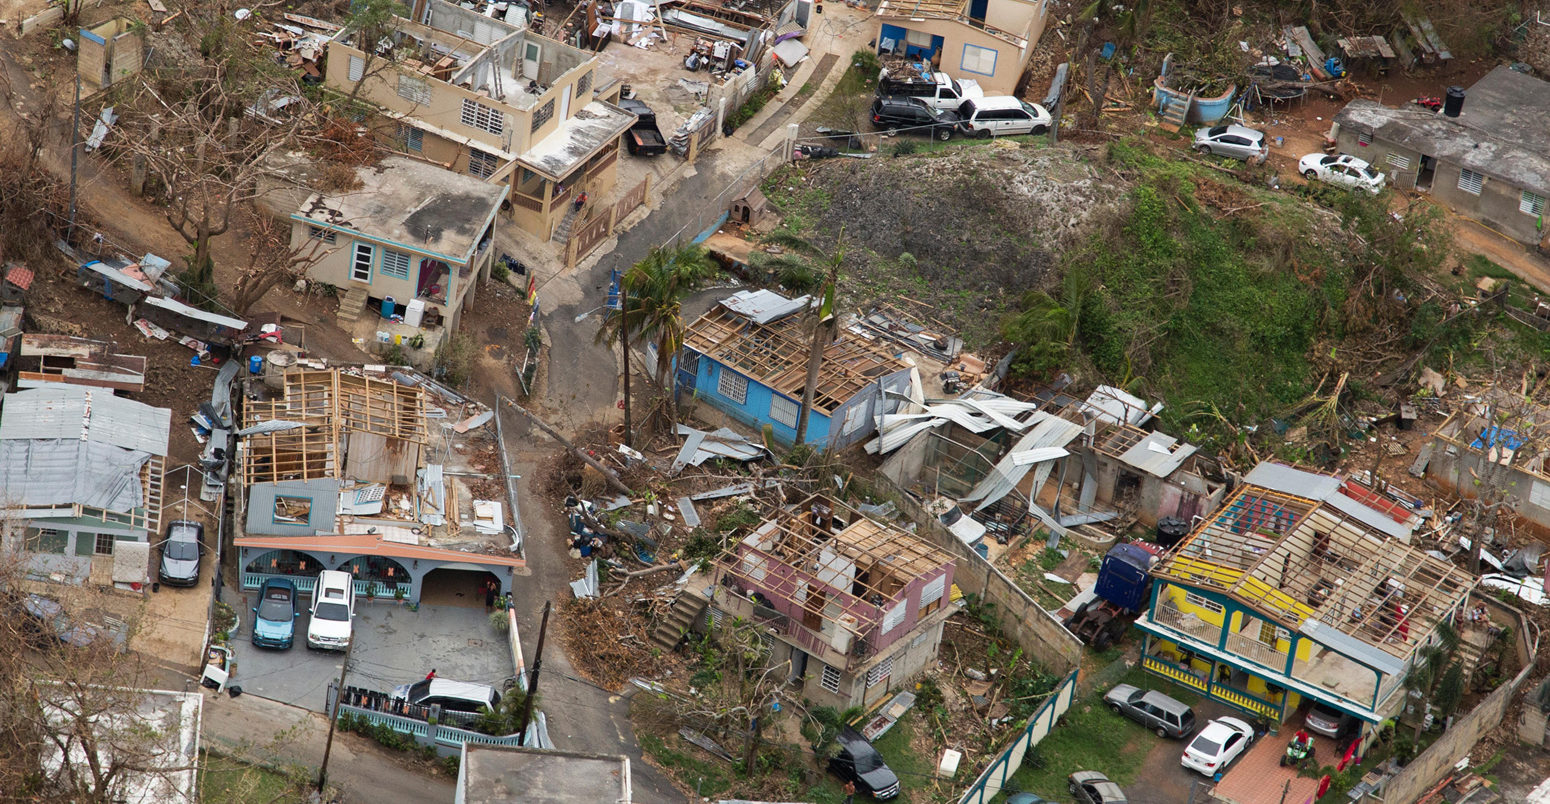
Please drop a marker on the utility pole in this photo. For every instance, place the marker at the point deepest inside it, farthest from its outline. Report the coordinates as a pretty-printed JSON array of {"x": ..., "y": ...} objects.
[
  {"x": 624, "y": 357},
  {"x": 75, "y": 154},
  {"x": 532, "y": 679},
  {"x": 328, "y": 747}
]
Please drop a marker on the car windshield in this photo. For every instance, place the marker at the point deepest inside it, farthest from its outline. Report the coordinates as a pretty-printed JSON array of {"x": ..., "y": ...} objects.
[
  {"x": 181, "y": 551},
  {"x": 1217, "y": 131},
  {"x": 275, "y": 608},
  {"x": 1369, "y": 173},
  {"x": 332, "y": 611},
  {"x": 868, "y": 761},
  {"x": 418, "y": 690},
  {"x": 1329, "y": 160},
  {"x": 1205, "y": 745},
  {"x": 1029, "y": 108},
  {"x": 952, "y": 515}
]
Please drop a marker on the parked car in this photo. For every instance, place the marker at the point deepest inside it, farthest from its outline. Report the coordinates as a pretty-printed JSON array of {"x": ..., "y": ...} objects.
[
  {"x": 1092, "y": 787},
  {"x": 1327, "y": 720},
  {"x": 1238, "y": 142},
  {"x": 455, "y": 696},
  {"x": 274, "y": 618},
  {"x": 1152, "y": 709},
  {"x": 1025, "y": 798},
  {"x": 857, "y": 761},
  {"x": 1530, "y": 590},
  {"x": 1001, "y": 116},
  {"x": 941, "y": 92},
  {"x": 645, "y": 138},
  {"x": 912, "y": 115},
  {"x": 333, "y": 607},
  {"x": 1217, "y": 745},
  {"x": 1344, "y": 170},
  {"x": 180, "y": 553}
]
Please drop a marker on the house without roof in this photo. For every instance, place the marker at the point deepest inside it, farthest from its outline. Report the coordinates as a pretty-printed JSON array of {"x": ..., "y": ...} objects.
[
  {"x": 1490, "y": 163},
  {"x": 989, "y": 41},
  {"x": 1300, "y": 588}
]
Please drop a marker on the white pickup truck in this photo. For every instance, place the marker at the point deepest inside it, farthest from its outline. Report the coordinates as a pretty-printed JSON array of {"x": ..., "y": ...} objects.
[{"x": 941, "y": 92}]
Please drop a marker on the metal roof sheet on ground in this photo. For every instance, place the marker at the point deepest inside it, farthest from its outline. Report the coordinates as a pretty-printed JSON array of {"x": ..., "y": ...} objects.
[
  {"x": 175, "y": 306},
  {"x": 790, "y": 52},
  {"x": 1289, "y": 480},
  {"x": 1158, "y": 454},
  {"x": 701, "y": 446},
  {"x": 78, "y": 413},
  {"x": 1036, "y": 448},
  {"x": 764, "y": 306},
  {"x": 1115, "y": 406},
  {"x": 64, "y": 471}
]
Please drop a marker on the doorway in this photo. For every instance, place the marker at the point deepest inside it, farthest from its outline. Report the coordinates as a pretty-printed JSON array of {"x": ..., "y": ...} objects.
[{"x": 1423, "y": 178}]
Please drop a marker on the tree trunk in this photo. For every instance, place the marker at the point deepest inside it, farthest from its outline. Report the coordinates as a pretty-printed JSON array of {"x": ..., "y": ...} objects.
[{"x": 814, "y": 362}]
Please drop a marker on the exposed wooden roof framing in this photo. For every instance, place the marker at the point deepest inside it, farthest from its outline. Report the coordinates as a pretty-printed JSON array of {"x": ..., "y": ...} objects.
[
  {"x": 775, "y": 355},
  {"x": 1115, "y": 440},
  {"x": 1294, "y": 560},
  {"x": 926, "y": 8},
  {"x": 820, "y": 540},
  {"x": 326, "y": 404}
]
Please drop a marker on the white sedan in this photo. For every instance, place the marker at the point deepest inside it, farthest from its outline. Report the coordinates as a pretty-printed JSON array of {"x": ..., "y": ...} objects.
[
  {"x": 1217, "y": 745},
  {"x": 1342, "y": 169},
  {"x": 1530, "y": 590}
]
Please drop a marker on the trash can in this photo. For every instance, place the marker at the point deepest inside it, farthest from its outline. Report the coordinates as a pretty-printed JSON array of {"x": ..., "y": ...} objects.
[
  {"x": 255, "y": 364},
  {"x": 388, "y": 306}
]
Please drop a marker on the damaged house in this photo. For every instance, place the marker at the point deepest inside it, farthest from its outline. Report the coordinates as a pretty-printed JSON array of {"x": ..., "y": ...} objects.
[
  {"x": 748, "y": 359},
  {"x": 82, "y": 470},
  {"x": 492, "y": 100},
  {"x": 989, "y": 41},
  {"x": 854, "y": 607},
  {"x": 1507, "y": 432}
]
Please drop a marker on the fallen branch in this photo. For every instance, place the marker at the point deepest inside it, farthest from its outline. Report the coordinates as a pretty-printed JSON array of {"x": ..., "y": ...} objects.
[{"x": 609, "y": 475}]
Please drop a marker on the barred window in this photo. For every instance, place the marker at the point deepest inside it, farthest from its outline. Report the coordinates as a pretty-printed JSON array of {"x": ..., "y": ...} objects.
[
  {"x": 411, "y": 138},
  {"x": 733, "y": 386},
  {"x": 831, "y": 679},
  {"x": 583, "y": 84},
  {"x": 880, "y": 673},
  {"x": 485, "y": 118},
  {"x": 395, "y": 263},
  {"x": 104, "y": 546},
  {"x": 1470, "y": 181},
  {"x": 481, "y": 164},
  {"x": 319, "y": 233},
  {"x": 783, "y": 410},
  {"x": 414, "y": 89},
  {"x": 1399, "y": 161},
  {"x": 542, "y": 115},
  {"x": 1532, "y": 204}
]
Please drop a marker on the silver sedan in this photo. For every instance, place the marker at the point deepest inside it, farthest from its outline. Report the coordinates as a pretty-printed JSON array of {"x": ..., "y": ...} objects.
[{"x": 1238, "y": 142}]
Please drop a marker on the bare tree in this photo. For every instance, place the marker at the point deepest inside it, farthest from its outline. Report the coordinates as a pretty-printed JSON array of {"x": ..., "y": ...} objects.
[
  {"x": 272, "y": 259},
  {"x": 1511, "y": 429}
]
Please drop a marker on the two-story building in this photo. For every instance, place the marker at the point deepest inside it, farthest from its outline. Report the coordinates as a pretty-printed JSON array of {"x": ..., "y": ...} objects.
[
  {"x": 492, "y": 100},
  {"x": 855, "y": 607},
  {"x": 990, "y": 41},
  {"x": 81, "y": 474},
  {"x": 1302, "y": 587},
  {"x": 748, "y": 358},
  {"x": 411, "y": 241}
]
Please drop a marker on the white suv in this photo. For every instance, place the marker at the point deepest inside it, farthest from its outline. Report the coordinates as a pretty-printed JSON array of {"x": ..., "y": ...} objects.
[
  {"x": 333, "y": 607},
  {"x": 1001, "y": 116}
]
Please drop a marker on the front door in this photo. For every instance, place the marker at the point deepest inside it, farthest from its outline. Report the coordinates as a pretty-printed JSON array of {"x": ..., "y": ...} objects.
[
  {"x": 530, "y": 61},
  {"x": 798, "y": 664},
  {"x": 360, "y": 262},
  {"x": 1423, "y": 179}
]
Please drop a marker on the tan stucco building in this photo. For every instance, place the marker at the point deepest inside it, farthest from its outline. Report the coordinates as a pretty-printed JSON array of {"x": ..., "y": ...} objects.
[
  {"x": 989, "y": 41},
  {"x": 491, "y": 100}
]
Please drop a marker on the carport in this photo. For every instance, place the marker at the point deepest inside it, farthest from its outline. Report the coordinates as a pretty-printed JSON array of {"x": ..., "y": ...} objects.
[
  {"x": 457, "y": 585},
  {"x": 380, "y": 567}
]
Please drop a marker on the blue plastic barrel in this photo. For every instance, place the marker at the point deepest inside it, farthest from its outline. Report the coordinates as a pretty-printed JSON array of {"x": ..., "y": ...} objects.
[
  {"x": 388, "y": 307},
  {"x": 255, "y": 364}
]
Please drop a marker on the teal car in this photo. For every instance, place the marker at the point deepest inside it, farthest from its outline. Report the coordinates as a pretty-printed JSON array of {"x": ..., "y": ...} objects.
[{"x": 274, "y": 619}]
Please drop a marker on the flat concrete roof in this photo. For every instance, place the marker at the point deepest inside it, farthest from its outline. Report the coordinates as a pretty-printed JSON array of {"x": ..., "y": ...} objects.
[
  {"x": 412, "y": 204},
  {"x": 1503, "y": 131},
  {"x": 558, "y": 155},
  {"x": 505, "y": 775}
]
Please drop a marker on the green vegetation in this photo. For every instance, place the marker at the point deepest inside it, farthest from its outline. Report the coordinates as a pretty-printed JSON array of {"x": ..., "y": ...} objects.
[
  {"x": 752, "y": 106},
  {"x": 711, "y": 778},
  {"x": 226, "y": 780},
  {"x": 455, "y": 359}
]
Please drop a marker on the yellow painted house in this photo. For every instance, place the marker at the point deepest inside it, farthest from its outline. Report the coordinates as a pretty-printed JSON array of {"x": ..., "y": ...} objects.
[{"x": 1302, "y": 587}]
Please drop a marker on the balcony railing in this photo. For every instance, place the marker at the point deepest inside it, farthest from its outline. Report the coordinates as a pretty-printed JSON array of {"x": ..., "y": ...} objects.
[
  {"x": 1168, "y": 614},
  {"x": 1257, "y": 652},
  {"x": 815, "y": 643}
]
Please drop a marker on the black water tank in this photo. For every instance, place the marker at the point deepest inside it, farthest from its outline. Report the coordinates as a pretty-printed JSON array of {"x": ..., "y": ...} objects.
[{"x": 1454, "y": 103}]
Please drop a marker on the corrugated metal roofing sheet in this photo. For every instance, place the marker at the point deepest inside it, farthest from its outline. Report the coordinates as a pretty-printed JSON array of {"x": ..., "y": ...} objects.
[
  {"x": 63, "y": 471},
  {"x": 1288, "y": 480},
  {"x": 1158, "y": 454},
  {"x": 1037, "y": 447},
  {"x": 78, "y": 413},
  {"x": 186, "y": 311},
  {"x": 764, "y": 306}
]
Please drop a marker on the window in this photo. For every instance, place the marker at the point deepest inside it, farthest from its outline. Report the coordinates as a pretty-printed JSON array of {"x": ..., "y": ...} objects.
[
  {"x": 831, "y": 679},
  {"x": 783, "y": 410},
  {"x": 485, "y": 118},
  {"x": 583, "y": 84},
  {"x": 104, "y": 546},
  {"x": 1203, "y": 603},
  {"x": 1470, "y": 181},
  {"x": 542, "y": 115},
  {"x": 1364, "y": 139},
  {"x": 319, "y": 233},
  {"x": 47, "y": 540},
  {"x": 292, "y": 510},
  {"x": 481, "y": 164},
  {"x": 1532, "y": 204},
  {"x": 880, "y": 673},
  {"x": 732, "y": 385},
  {"x": 1399, "y": 161},
  {"x": 689, "y": 362},
  {"x": 979, "y": 60},
  {"x": 917, "y": 38},
  {"x": 411, "y": 138},
  {"x": 414, "y": 89},
  {"x": 931, "y": 595},
  {"x": 894, "y": 617},
  {"x": 395, "y": 264},
  {"x": 753, "y": 567},
  {"x": 357, "y": 68},
  {"x": 857, "y": 417},
  {"x": 1539, "y": 495},
  {"x": 360, "y": 262}
]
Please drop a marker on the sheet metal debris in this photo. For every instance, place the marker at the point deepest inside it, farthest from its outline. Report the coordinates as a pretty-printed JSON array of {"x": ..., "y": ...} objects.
[{"x": 700, "y": 446}]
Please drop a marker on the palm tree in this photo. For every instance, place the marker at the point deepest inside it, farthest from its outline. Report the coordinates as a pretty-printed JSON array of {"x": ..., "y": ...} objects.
[
  {"x": 805, "y": 258},
  {"x": 651, "y": 309}
]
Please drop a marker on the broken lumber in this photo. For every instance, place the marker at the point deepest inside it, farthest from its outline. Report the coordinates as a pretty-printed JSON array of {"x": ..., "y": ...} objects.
[{"x": 609, "y": 475}]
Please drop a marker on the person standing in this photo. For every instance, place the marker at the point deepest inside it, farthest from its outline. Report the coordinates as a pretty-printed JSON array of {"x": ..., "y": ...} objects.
[{"x": 490, "y": 588}]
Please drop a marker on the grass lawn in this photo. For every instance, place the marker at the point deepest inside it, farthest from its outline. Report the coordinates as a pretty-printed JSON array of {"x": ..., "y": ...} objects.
[
  {"x": 226, "y": 780},
  {"x": 1094, "y": 738},
  {"x": 711, "y": 778}
]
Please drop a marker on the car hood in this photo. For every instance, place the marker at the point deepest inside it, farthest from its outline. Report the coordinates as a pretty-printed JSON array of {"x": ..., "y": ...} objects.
[
  {"x": 329, "y": 628},
  {"x": 179, "y": 568},
  {"x": 273, "y": 629},
  {"x": 880, "y": 778}
]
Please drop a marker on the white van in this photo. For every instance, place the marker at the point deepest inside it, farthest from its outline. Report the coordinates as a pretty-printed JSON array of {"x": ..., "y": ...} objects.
[
  {"x": 1001, "y": 116},
  {"x": 333, "y": 608}
]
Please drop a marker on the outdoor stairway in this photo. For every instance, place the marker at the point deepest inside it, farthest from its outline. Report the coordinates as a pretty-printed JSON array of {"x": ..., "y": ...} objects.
[
  {"x": 680, "y": 618},
  {"x": 352, "y": 304},
  {"x": 1174, "y": 115},
  {"x": 562, "y": 232}
]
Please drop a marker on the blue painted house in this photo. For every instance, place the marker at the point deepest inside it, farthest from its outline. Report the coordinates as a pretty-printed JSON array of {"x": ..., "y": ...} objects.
[{"x": 747, "y": 357}]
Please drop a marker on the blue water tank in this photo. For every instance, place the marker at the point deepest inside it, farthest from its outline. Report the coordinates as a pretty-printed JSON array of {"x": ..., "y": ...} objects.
[
  {"x": 255, "y": 364},
  {"x": 388, "y": 306}
]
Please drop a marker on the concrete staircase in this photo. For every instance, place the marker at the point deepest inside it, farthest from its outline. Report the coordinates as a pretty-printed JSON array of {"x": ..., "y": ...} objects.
[
  {"x": 567, "y": 224},
  {"x": 1175, "y": 113},
  {"x": 352, "y": 304},
  {"x": 686, "y": 609}
]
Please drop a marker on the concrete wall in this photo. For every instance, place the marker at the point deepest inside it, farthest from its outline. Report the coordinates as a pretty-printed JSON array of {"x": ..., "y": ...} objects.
[
  {"x": 75, "y": 563},
  {"x": 324, "y": 494},
  {"x": 1452, "y": 468},
  {"x": 416, "y": 569},
  {"x": 1037, "y": 631}
]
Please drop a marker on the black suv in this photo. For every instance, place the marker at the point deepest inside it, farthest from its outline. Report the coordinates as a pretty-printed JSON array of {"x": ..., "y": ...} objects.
[
  {"x": 859, "y": 762},
  {"x": 912, "y": 114}
]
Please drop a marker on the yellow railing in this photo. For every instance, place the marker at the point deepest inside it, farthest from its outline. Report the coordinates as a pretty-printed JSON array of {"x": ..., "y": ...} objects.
[
  {"x": 1243, "y": 701},
  {"x": 1162, "y": 668}
]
